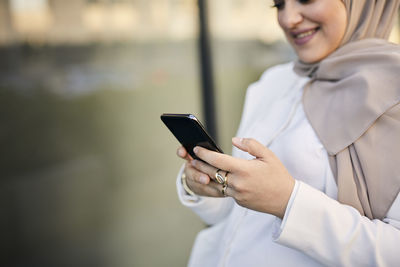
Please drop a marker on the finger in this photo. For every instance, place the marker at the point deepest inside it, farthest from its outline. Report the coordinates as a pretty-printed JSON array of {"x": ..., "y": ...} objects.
[
  {"x": 252, "y": 146},
  {"x": 182, "y": 153},
  {"x": 217, "y": 188},
  {"x": 210, "y": 190},
  {"x": 196, "y": 176},
  {"x": 211, "y": 172},
  {"x": 204, "y": 168},
  {"x": 229, "y": 192},
  {"x": 218, "y": 160}
]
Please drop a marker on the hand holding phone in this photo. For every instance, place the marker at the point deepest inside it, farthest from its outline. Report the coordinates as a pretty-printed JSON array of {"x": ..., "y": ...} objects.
[{"x": 189, "y": 132}]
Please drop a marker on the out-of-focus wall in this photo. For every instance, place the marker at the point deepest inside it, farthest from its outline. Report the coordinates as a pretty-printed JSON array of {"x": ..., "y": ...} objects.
[
  {"x": 6, "y": 29},
  {"x": 83, "y": 21},
  {"x": 80, "y": 21}
]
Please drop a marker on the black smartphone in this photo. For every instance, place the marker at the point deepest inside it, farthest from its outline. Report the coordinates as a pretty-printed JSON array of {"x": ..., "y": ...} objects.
[{"x": 189, "y": 132}]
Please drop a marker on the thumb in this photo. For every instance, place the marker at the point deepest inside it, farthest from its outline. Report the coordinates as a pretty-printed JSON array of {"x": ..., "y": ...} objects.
[{"x": 251, "y": 146}]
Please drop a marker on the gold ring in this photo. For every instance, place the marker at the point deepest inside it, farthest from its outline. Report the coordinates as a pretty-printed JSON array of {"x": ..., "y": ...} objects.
[
  {"x": 226, "y": 179},
  {"x": 224, "y": 187},
  {"x": 220, "y": 179}
]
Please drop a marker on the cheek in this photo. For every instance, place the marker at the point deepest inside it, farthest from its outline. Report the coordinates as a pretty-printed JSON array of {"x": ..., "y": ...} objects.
[
  {"x": 334, "y": 32},
  {"x": 335, "y": 22}
]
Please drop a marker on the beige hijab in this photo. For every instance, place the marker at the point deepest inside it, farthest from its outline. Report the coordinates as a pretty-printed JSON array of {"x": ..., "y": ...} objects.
[{"x": 352, "y": 102}]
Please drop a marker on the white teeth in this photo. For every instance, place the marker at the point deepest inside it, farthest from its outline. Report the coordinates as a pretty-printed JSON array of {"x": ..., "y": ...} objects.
[{"x": 305, "y": 34}]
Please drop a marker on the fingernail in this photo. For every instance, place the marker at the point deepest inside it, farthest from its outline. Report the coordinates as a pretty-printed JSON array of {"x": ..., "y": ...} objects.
[
  {"x": 193, "y": 162},
  {"x": 237, "y": 140},
  {"x": 196, "y": 149},
  {"x": 203, "y": 179}
]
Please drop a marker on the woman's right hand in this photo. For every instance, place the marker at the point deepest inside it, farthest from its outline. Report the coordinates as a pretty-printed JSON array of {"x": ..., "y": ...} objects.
[{"x": 200, "y": 183}]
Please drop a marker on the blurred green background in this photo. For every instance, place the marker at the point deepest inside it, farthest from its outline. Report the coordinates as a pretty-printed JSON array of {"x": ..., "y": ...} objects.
[{"x": 87, "y": 169}]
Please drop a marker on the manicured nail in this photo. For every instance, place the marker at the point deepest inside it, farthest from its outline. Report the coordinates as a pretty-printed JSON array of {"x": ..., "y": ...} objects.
[
  {"x": 237, "y": 140},
  {"x": 203, "y": 179}
]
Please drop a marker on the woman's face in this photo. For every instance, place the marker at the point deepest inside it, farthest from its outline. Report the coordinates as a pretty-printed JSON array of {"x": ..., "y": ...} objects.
[{"x": 314, "y": 28}]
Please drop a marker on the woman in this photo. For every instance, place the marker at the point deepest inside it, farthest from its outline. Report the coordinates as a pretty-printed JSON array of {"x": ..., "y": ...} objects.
[{"x": 315, "y": 175}]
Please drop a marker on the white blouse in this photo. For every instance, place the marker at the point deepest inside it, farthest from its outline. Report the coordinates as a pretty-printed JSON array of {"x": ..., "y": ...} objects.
[{"x": 316, "y": 229}]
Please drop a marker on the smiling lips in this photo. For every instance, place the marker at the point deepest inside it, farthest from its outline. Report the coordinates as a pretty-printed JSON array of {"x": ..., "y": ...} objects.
[{"x": 302, "y": 37}]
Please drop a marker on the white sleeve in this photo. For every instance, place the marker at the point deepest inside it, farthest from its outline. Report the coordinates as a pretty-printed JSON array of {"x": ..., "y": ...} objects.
[
  {"x": 211, "y": 210},
  {"x": 336, "y": 234}
]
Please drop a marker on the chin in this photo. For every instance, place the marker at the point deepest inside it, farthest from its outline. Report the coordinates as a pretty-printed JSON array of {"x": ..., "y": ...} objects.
[
  {"x": 311, "y": 56},
  {"x": 310, "y": 59}
]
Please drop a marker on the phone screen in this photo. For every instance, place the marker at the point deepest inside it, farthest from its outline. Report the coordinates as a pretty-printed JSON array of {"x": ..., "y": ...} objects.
[{"x": 189, "y": 132}]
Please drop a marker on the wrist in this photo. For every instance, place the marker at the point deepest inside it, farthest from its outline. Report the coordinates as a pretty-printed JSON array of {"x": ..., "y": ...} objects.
[{"x": 285, "y": 197}]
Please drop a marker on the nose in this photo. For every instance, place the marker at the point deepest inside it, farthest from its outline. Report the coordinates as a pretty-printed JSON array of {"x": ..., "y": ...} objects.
[{"x": 290, "y": 16}]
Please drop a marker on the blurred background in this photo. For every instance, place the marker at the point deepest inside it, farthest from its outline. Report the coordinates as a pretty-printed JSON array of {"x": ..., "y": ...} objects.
[{"x": 87, "y": 169}]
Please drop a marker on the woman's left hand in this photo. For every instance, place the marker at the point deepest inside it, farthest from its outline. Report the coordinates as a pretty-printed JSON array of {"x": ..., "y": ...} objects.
[{"x": 262, "y": 184}]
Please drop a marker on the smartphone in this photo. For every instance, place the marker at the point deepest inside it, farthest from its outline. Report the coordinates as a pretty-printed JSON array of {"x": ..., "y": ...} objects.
[{"x": 189, "y": 132}]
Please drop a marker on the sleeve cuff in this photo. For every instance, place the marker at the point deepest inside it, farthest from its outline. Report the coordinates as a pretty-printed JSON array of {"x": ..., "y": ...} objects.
[{"x": 302, "y": 231}]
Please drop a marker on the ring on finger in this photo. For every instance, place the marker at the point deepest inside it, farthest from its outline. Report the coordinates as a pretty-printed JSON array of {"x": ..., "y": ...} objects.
[
  {"x": 223, "y": 190},
  {"x": 226, "y": 179},
  {"x": 220, "y": 179}
]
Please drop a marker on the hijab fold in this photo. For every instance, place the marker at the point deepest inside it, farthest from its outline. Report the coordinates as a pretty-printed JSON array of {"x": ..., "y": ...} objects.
[{"x": 352, "y": 102}]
